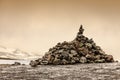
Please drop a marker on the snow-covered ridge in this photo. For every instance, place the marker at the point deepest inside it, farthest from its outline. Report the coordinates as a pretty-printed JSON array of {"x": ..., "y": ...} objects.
[{"x": 16, "y": 53}]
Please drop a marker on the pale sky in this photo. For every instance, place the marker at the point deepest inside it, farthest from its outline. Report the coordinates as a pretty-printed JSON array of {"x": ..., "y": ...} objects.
[{"x": 37, "y": 25}]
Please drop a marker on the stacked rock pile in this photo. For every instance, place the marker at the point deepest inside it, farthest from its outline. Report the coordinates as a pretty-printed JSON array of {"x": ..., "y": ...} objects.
[{"x": 80, "y": 50}]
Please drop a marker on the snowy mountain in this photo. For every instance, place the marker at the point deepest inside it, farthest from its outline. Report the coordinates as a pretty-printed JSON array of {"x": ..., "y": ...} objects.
[{"x": 9, "y": 53}]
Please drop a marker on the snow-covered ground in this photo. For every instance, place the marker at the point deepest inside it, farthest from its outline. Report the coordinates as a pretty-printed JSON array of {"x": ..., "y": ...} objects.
[{"x": 12, "y": 61}]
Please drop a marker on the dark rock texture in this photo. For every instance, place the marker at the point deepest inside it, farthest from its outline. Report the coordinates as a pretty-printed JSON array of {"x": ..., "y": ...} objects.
[
  {"x": 16, "y": 63},
  {"x": 91, "y": 71},
  {"x": 80, "y": 50}
]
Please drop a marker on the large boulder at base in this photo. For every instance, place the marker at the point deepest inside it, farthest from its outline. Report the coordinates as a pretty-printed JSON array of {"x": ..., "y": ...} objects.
[{"x": 80, "y": 50}]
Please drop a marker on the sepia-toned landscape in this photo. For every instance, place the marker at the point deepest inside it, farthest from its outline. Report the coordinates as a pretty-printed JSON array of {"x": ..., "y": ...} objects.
[{"x": 59, "y": 40}]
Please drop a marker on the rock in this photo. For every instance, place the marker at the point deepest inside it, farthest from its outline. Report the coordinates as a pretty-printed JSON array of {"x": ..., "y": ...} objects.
[
  {"x": 97, "y": 57},
  {"x": 44, "y": 62},
  {"x": 88, "y": 56},
  {"x": 88, "y": 45},
  {"x": 33, "y": 63},
  {"x": 100, "y": 61},
  {"x": 72, "y": 61},
  {"x": 80, "y": 50},
  {"x": 16, "y": 64},
  {"x": 83, "y": 60},
  {"x": 116, "y": 61},
  {"x": 81, "y": 30},
  {"x": 39, "y": 61},
  {"x": 64, "y": 62},
  {"x": 61, "y": 51},
  {"x": 73, "y": 52},
  {"x": 56, "y": 61},
  {"x": 76, "y": 59},
  {"x": 23, "y": 64},
  {"x": 109, "y": 58}
]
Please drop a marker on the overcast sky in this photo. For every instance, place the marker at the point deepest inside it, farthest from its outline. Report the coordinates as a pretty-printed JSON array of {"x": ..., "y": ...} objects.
[{"x": 37, "y": 25}]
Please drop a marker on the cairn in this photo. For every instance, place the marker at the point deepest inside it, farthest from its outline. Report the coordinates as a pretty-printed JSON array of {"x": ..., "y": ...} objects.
[{"x": 80, "y": 50}]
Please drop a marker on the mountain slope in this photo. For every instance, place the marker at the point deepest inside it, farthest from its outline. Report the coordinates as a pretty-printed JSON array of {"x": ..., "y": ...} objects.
[{"x": 9, "y": 53}]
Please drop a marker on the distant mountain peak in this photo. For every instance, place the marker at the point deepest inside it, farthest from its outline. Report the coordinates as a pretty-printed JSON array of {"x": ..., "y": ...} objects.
[{"x": 11, "y": 53}]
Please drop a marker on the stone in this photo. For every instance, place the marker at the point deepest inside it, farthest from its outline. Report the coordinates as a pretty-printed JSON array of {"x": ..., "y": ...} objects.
[
  {"x": 83, "y": 60},
  {"x": 100, "y": 61},
  {"x": 81, "y": 30},
  {"x": 81, "y": 44},
  {"x": 16, "y": 64},
  {"x": 64, "y": 62},
  {"x": 33, "y": 63},
  {"x": 65, "y": 56},
  {"x": 76, "y": 59},
  {"x": 45, "y": 62},
  {"x": 73, "y": 52},
  {"x": 61, "y": 51},
  {"x": 88, "y": 45},
  {"x": 56, "y": 61},
  {"x": 109, "y": 58},
  {"x": 97, "y": 57},
  {"x": 72, "y": 61},
  {"x": 88, "y": 56}
]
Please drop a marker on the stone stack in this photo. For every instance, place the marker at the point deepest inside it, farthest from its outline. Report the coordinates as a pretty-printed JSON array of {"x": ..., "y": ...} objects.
[{"x": 80, "y": 50}]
